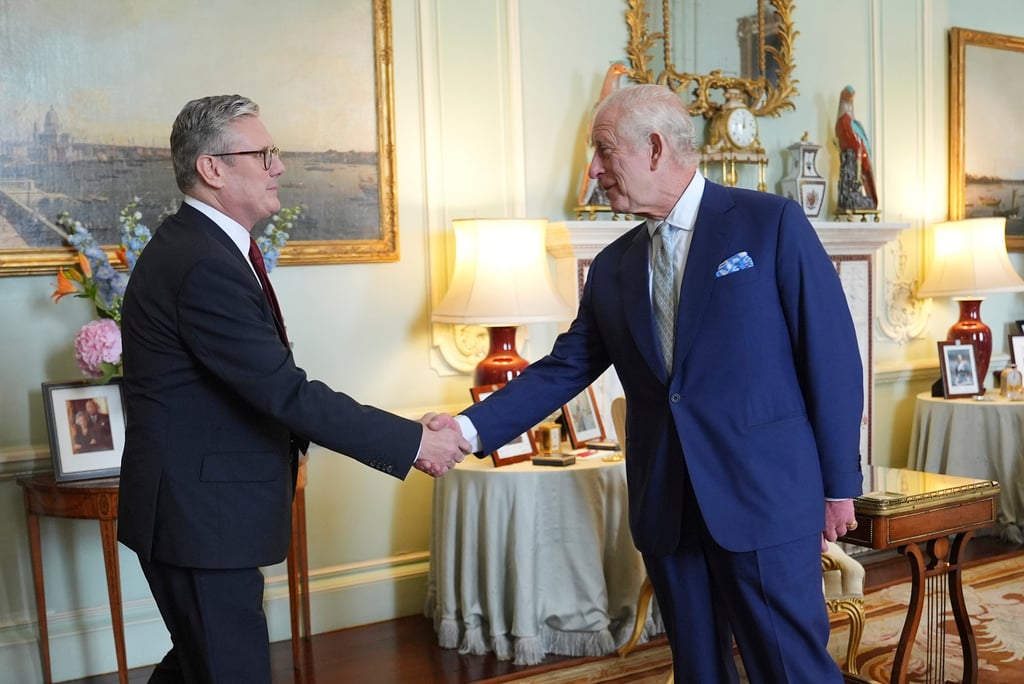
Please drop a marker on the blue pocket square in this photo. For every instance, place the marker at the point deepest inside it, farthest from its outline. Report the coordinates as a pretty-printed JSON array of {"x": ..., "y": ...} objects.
[{"x": 737, "y": 262}]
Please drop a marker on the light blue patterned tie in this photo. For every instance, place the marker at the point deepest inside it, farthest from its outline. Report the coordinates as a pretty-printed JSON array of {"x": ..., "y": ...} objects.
[{"x": 663, "y": 291}]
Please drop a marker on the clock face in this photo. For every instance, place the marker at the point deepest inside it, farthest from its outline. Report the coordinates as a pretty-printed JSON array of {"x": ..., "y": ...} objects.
[{"x": 741, "y": 127}]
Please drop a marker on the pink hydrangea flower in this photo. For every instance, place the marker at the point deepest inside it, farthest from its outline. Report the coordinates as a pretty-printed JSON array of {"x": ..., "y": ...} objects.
[{"x": 96, "y": 343}]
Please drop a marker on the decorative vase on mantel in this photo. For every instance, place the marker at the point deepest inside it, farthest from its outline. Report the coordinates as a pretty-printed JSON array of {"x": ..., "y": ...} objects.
[{"x": 802, "y": 182}]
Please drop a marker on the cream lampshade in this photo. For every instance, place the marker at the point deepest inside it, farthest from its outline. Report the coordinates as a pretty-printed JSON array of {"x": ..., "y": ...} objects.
[
  {"x": 501, "y": 280},
  {"x": 969, "y": 259}
]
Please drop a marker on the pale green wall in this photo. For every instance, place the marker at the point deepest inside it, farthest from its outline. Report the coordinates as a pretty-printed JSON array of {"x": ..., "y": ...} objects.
[{"x": 490, "y": 100}]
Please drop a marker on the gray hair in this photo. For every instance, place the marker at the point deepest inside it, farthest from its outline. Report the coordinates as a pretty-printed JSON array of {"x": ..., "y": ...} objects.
[
  {"x": 640, "y": 110},
  {"x": 200, "y": 129}
]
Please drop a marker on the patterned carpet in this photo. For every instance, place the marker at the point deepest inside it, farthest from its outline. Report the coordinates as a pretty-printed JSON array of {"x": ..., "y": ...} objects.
[{"x": 994, "y": 593}]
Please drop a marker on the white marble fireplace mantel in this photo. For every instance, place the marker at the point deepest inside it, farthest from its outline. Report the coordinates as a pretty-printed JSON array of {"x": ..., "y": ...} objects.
[{"x": 853, "y": 247}]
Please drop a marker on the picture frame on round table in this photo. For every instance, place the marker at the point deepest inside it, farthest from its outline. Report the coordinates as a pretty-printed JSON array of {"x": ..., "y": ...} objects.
[
  {"x": 1017, "y": 350},
  {"x": 582, "y": 419},
  {"x": 959, "y": 370},
  {"x": 521, "y": 448}
]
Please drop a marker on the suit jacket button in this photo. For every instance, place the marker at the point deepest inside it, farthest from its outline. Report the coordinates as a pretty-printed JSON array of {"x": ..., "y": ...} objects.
[{"x": 675, "y": 398}]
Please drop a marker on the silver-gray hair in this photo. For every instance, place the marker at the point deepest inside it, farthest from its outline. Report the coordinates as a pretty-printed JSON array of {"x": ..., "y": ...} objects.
[
  {"x": 640, "y": 110},
  {"x": 200, "y": 129}
]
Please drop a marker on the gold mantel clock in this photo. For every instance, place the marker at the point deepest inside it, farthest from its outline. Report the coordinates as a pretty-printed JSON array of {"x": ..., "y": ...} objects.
[{"x": 732, "y": 140}]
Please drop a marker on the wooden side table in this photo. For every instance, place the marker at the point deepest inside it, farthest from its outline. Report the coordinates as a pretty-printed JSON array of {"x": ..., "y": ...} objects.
[
  {"x": 89, "y": 500},
  {"x": 298, "y": 566},
  {"x": 907, "y": 510},
  {"x": 97, "y": 500}
]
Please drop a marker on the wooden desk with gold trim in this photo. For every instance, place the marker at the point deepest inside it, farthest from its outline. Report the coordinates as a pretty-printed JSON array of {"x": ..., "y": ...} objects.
[{"x": 916, "y": 513}]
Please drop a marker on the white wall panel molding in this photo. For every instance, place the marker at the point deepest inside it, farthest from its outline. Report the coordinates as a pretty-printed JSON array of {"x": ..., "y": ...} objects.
[{"x": 490, "y": 180}]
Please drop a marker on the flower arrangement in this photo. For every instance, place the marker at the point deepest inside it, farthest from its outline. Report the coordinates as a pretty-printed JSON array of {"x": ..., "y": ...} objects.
[{"x": 98, "y": 342}]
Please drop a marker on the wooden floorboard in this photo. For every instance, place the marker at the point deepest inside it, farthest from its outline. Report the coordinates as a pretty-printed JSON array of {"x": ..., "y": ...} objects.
[{"x": 405, "y": 651}]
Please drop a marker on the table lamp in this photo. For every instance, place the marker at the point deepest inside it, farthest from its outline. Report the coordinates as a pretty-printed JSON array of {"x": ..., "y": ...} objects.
[
  {"x": 969, "y": 259},
  {"x": 501, "y": 280}
]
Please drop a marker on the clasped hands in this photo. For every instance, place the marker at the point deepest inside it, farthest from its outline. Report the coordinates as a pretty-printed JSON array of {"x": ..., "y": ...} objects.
[{"x": 442, "y": 445}]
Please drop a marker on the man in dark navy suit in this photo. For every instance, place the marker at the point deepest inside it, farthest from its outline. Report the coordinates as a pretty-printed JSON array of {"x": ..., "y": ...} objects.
[
  {"x": 217, "y": 411},
  {"x": 99, "y": 425},
  {"x": 728, "y": 327}
]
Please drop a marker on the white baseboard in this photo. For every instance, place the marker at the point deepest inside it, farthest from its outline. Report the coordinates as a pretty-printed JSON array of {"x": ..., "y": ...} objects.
[{"x": 82, "y": 643}]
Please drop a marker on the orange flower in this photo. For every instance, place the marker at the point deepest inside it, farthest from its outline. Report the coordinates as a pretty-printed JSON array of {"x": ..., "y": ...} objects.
[
  {"x": 83, "y": 264},
  {"x": 66, "y": 284},
  {"x": 122, "y": 256}
]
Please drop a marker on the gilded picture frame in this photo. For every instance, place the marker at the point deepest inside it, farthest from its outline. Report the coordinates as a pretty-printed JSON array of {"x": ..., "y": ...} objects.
[
  {"x": 85, "y": 139},
  {"x": 985, "y": 92}
]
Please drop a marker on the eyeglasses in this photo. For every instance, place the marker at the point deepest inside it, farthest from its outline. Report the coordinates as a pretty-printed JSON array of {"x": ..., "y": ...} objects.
[{"x": 267, "y": 153}]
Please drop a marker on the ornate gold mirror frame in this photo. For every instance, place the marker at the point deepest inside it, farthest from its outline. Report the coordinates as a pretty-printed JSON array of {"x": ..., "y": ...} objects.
[{"x": 765, "y": 97}]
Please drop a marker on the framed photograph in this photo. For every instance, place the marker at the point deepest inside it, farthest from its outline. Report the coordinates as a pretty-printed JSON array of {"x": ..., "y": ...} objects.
[
  {"x": 1020, "y": 326},
  {"x": 84, "y": 138},
  {"x": 985, "y": 91},
  {"x": 959, "y": 370},
  {"x": 1017, "y": 350},
  {"x": 582, "y": 419},
  {"x": 86, "y": 426},
  {"x": 521, "y": 448}
]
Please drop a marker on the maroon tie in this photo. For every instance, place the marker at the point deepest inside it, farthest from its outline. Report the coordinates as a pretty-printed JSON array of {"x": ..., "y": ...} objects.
[{"x": 256, "y": 257}]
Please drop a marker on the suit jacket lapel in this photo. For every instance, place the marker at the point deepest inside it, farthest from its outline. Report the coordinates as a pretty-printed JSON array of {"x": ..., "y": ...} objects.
[
  {"x": 706, "y": 247},
  {"x": 636, "y": 298},
  {"x": 194, "y": 217}
]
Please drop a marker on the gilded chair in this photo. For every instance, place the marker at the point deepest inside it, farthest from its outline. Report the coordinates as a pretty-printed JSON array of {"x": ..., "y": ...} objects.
[
  {"x": 843, "y": 584},
  {"x": 842, "y": 580}
]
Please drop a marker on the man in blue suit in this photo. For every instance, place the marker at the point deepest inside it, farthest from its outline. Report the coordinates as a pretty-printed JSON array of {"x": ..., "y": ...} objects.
[
  {"x": 743, "y": 425},
  {"x": 217, "y": 411}
]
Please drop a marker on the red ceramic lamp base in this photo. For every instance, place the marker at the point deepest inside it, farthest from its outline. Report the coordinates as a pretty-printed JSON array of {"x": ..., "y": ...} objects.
[
  {"x": 502, "y": 362},
  {"x": 971, "y": 329}
]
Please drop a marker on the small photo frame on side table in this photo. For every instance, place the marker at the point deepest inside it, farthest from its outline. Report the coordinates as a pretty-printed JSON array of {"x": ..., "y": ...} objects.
[
  {"x": 959, "y": 370},
  {"x": 582, "y": 419},
  {"x": 519, "y": 449},
  {"x": 86, "y": 426},
  {"x": 1017, "y": 350}
]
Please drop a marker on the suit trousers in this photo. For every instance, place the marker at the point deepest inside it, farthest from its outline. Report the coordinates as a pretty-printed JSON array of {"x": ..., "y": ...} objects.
[
  {"x": 769, "y": 600},
  {"x": 216, "y": 622}
]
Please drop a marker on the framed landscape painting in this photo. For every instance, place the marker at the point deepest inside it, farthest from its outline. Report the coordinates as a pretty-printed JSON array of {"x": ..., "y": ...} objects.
[
  {"x": 986, "y": 169},
  {"x": 81, "y": 133}
]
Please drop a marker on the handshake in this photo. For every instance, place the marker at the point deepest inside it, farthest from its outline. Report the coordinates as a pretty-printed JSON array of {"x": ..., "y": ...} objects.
[{"x": 442, "y": 444}]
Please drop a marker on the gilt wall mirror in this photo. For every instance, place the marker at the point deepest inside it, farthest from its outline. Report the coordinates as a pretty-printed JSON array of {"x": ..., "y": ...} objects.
[{"x": 702, "y": 49}]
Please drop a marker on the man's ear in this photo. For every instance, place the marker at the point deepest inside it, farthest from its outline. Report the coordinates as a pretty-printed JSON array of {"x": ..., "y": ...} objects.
[
  {"x": 657, "y": 149},
  {"x": 209, "y": 171}
]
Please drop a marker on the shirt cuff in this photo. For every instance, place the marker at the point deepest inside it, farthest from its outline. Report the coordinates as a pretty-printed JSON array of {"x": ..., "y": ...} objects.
[{"x": 469, "y": 432}]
